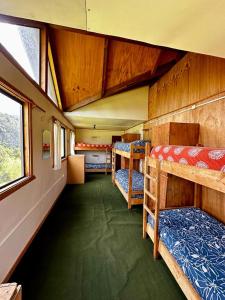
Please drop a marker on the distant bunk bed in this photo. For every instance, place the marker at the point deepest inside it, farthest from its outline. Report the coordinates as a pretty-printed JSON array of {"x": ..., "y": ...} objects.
[
  {"x": 97, "y": 167},
  {"x": 190, "y": 241},
  {"x": 129, "y": 181}
]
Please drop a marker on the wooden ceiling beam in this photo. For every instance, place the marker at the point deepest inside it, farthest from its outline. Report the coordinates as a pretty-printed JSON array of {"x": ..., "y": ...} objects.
[
  {"x": 82, "y": 103},
  {"x": 128, "y": 84},
  {"x": 105, "y": 62}
]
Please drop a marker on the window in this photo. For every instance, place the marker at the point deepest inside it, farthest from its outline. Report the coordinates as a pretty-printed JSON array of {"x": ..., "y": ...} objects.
[
  {"x": 63, "y": 142},
  {"x": 51, "y": 88},
  {"x": 23, "y": 43},
  {"x": 11, "y": 140},
  {"x": 72, "y": 143}
]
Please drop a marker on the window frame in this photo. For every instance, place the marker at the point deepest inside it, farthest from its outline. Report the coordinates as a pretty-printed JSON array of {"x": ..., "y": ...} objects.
[
  {"x": 42, "y": 52},
  {"x": 44, "y": 42},
  {"x": 64, "y": 139},
  {"x": 27, "y": 104},
  {"x": 50, "y": 62}
]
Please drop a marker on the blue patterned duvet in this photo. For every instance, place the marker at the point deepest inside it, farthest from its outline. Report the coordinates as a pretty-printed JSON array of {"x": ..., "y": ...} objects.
[
  {"x": 126, "y": 146},
  {"x": 137, "y": 181},
  {"x": 197, "y": 241},
  {"x": 98, "y": 166}
]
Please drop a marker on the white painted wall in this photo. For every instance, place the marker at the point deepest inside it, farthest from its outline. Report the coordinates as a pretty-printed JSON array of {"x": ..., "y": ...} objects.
[
  {"x": 22, "y": 212},
  {"x": 91, "y": 136},
  {"x": 136, "y": 129}
]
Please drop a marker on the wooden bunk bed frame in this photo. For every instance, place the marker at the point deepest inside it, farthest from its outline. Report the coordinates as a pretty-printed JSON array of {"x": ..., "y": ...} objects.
[
  {"x": 132, "y": 155},
  {"x": 106, "y": 150},
  {"x": 201, "y": 177}
]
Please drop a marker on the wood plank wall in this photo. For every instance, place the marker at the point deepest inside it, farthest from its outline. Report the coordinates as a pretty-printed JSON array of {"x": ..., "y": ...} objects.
[{"x": 195, "y": 78}]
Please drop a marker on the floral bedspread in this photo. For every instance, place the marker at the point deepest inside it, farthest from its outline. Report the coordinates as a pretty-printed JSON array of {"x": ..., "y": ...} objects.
[
  {"x": 126, "y": 146},
  {"x": 137, "y": 181},
  {"x": 197, "y": 242},
  {"x": 201, "y": 157}
]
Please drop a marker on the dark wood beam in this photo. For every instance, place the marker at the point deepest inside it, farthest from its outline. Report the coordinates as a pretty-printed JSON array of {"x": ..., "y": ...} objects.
[
  {"x": 82, "y": 103},
  {"x": 128, "y": 84},
  {"x": 104, "y": 72}
]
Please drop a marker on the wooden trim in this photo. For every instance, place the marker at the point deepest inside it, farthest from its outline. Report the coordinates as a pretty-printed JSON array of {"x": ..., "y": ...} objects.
[
  {"x": 11, "y": 59},
  {"x": 54, "y": 77},
  {"x": 128, "y": 154},
  {"x": 175, "y": 269},
  {"x": 209, "y": 178},
  {"x": 15, "y": 186},
  {"x": 30, "y": 241}
]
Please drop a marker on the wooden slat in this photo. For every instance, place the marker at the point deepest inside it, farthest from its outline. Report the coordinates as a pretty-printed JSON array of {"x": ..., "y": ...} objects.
[
  {"x": 149, "y": 211},
  {"x": 121, "y": 190},
  {"x": 209, "y": 178},
  {"x": 150, "y": 195},
  {"x": 151, "y": 177},
  {"x": 127, "y": 154}
]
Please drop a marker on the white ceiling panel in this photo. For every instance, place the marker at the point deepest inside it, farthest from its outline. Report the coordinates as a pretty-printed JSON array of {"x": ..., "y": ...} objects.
[
  {"x": 197, "y": 26},
  {"x": 71, "y": 13}
]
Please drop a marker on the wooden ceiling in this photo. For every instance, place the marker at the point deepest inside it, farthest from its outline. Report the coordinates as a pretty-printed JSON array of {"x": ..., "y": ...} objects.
[{"x": 91, "y": 67}]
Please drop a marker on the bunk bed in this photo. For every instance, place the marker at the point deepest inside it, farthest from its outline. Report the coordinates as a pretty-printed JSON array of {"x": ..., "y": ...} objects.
[
  {"x": 97, "y": 167},
  {"x": 191, "y": 242},
  {"x": 130, "y": 182}
]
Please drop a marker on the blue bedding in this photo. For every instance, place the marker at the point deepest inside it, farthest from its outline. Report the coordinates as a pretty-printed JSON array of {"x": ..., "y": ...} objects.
[
  {"x": 197, "y": 241},
  {"x": 98, "y": 166},
  {"x": 126, "y": 146},
  {"x": 137, "y": 181}
]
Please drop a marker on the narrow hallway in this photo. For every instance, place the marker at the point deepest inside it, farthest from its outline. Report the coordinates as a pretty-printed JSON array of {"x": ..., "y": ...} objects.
[{"x": 91, "y": 247}]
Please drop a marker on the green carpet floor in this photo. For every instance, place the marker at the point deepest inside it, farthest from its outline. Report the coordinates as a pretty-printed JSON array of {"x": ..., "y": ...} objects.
[{"x": 91, "y": 248}]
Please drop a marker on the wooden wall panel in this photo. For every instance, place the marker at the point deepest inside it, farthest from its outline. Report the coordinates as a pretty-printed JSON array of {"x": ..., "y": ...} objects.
[
  {"x": 126, "y": 61},
  {"x": 79, "y": 60},
  {"x": 200, "y": 77}
]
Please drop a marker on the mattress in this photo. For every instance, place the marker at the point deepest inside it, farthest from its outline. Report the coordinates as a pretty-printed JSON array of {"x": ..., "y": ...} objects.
[
  {"x": 202, "y": 157},
  {"x": 137, "y": 181},
  {"x": 100, "y": 146},
  {"x": 197, "y": 242},
  {"x": 98, "y": 166},
  {"x": 126, "y": 146}
]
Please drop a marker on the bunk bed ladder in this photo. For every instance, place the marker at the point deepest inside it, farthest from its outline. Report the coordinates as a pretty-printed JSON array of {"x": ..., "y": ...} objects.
[
  {"x": 107, "y": 160},
  {"x": 150, "y": 181}
]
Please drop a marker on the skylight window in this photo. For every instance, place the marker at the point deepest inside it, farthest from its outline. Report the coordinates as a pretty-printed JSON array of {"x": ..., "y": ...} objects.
[{"x": 23, "y": 43}]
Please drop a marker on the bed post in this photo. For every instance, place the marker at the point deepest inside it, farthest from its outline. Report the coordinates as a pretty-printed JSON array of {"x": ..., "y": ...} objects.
[
  {"x": 157, "y": 206},
  {"x": 113, "y": 165},
  {"x": 147, "y": 153},
  {"x": 198, "y": 196},
  {"x": 131, "y": 166}
]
